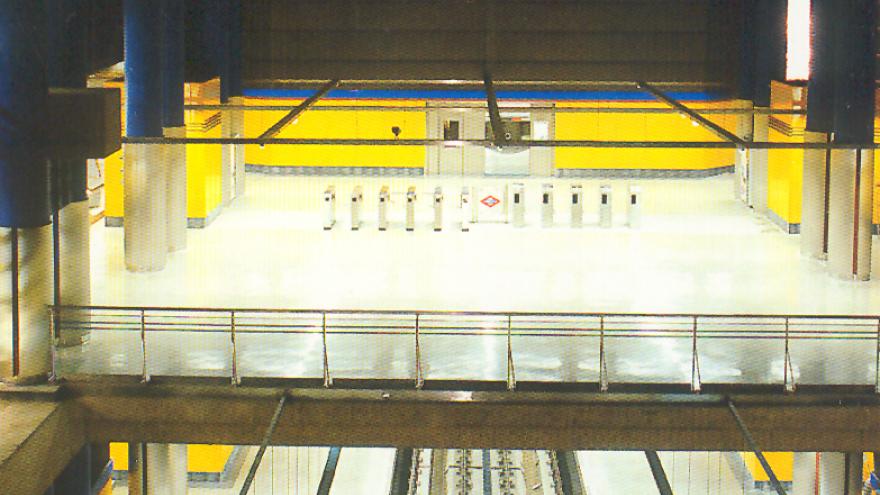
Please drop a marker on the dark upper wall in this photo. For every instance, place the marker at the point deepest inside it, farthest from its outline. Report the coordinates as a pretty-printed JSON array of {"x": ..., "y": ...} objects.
[{"x": 600, "y": 40}]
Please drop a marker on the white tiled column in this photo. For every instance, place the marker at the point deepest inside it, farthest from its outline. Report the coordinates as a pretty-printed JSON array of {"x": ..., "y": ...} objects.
[
  {"x": 813, "y": 226},
  {"x": 145, "y": 204},
  {"x": 175, "y": 156},
  {"x": 758, "y": 163},
  {"x": 849, "y": 213}
]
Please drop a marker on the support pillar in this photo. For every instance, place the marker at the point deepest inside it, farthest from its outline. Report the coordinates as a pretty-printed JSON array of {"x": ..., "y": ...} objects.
[
  {"x": 75, "y": 265},
  {"x": 238, "y": 149},
  {"x": 758, "y": 162},
  {"x": 173, "y": 122},
  {"x": 146, "y": 235},
  {"x": 814, "y": 198},
  {"x": 852, "y": 168},
  {"x": 166, "y": 469},
  {"x": 25, "y": 208},
  {"x": 145, "y": 177},
  {"x": 227, "y": 154},
  {"x": 804, "y": 473},
  {"x": 744, "y": 130},
  {"x": 25, "y": 290},
  {"x": 175, "y": 167},
  {"x": 840, "y": 473}
]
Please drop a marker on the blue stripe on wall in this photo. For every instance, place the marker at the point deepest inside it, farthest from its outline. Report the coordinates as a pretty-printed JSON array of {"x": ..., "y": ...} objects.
[{"x": 415, "y": 94}]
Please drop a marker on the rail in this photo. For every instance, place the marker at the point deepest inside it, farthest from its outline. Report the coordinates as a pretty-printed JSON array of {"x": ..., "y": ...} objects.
[{"x": 509, "y": 348}]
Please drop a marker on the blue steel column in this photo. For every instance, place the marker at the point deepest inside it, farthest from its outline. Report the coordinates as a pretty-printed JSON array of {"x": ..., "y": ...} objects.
[
  {"x": 173, "y": 121},
  {"x": 25, "y": 208},
  {"x": 146, "y": 239},
  {"x": 68, "y": 67},
  {"x": 851, "y": 174},
  {"x": 769, "y": 65},
  {"x": 820, "y": 117}
]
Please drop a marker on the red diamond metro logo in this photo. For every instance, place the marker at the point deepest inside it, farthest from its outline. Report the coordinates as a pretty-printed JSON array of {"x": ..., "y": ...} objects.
[{"x": 490, "y": 201}]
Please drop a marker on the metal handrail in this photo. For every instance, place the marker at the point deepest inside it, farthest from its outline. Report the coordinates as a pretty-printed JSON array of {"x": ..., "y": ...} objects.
[{"x": 603, "y": 327}]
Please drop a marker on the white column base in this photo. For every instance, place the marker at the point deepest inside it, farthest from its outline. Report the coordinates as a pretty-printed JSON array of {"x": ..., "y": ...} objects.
[
  {"x": 35, "y": 284},
  {"x": 166, "y": 469},
  {"x": 176, "y": 190},
  {"x": 812, "y": 235},
  {"x": 145, "y": 204},
  {"x": 744, "y": 129},
  {"x": 849, "y": 216},
  {"x": 75, "y": 264},
  {"x": 758, "y": 164}
]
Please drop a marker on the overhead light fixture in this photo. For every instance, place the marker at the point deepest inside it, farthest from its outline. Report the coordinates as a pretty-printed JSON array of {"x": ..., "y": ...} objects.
[{"x": 797, "y": 58}]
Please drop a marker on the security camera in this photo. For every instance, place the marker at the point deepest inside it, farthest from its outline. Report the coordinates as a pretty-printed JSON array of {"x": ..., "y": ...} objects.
[{"x": 396, "y": 131}]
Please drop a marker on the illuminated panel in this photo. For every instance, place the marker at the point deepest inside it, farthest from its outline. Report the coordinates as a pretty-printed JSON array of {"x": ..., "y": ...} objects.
[{"x": 797, "y": 59}]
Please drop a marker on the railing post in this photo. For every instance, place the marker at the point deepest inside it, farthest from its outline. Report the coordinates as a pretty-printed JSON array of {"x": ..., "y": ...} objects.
[
  {"x": 603, "y": 368},
  {"x": 511, "y": 372},
  {"x": 145, "y": 377},
  {"x": 420, "y": 380},
  {"x": 235, "y": 378},
  {"x": 695, "y": 361},
  {"x": 788, "y": 371},
  {"x": 328, "y": 382}
]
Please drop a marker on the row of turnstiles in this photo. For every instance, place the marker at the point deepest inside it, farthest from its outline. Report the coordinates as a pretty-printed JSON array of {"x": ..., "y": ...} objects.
[{"x": 468, "y": 215}]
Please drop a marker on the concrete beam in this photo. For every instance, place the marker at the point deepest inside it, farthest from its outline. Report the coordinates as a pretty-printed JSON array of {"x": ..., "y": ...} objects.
[
  {"x": 476, "y": 420},
  {"x": 38, "y": 438}
]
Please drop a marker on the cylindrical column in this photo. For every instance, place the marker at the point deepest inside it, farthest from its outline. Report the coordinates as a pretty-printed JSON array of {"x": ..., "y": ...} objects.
[
  {"x": 852, "y": 178},
  {"x": 744, "y": 129},
  {"x": 854, "y": 466},
  {"x": 137, "y": 476},
  {"x": 25, "y": 238},
  {"x": 145, "y": 204},
  {"x": 238, "y": 149},
  {"x": 814, "y": 199},
  {"x": 758, "y": 162},
  {"x": 841, "y": 213},
  {"x": 820, "y": 120},
  {"x": 166, "y": 469},
  {"x": 75, "y": 267},
  {"x": 173, "y": 122},
  {"x": 804, "y": 474}
]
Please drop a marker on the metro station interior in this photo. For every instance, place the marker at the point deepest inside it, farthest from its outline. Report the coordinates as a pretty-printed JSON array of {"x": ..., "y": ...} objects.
[{"x": 479, "y": 247}]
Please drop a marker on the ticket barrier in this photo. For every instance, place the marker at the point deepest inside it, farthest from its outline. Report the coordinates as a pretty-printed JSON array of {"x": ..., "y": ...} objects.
[
  {"x": 411, "y": 208},
  {"x": 467, "y": 209},
  {"x": 357, "y": 201},
  {"x": 438, "y": 209},
  {"x": 547, "y": 205},
  {"x": 605, "y": 212},
  {"x": 384, "y": 199},
  {"x": 634, "y": 207},
  {"x": 329, "y": 207},
  {"x": 518, "y": 209},
  {"x": 577, "y": 205}
]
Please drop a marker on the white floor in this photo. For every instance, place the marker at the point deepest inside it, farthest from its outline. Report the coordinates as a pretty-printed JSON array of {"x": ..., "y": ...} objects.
[{"x": 698, "y": 250}]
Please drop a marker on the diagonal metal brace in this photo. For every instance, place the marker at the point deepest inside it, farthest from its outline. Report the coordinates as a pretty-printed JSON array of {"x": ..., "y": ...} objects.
[
  {"x": 500, "y": 135},
  {"x": 774, "y": 481},
  {"x": 659, "y": 473},
  {"x": 302, "y": 107},
  {"x": 708, "y": 124},
  {"x": 266, "y": 438}
]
